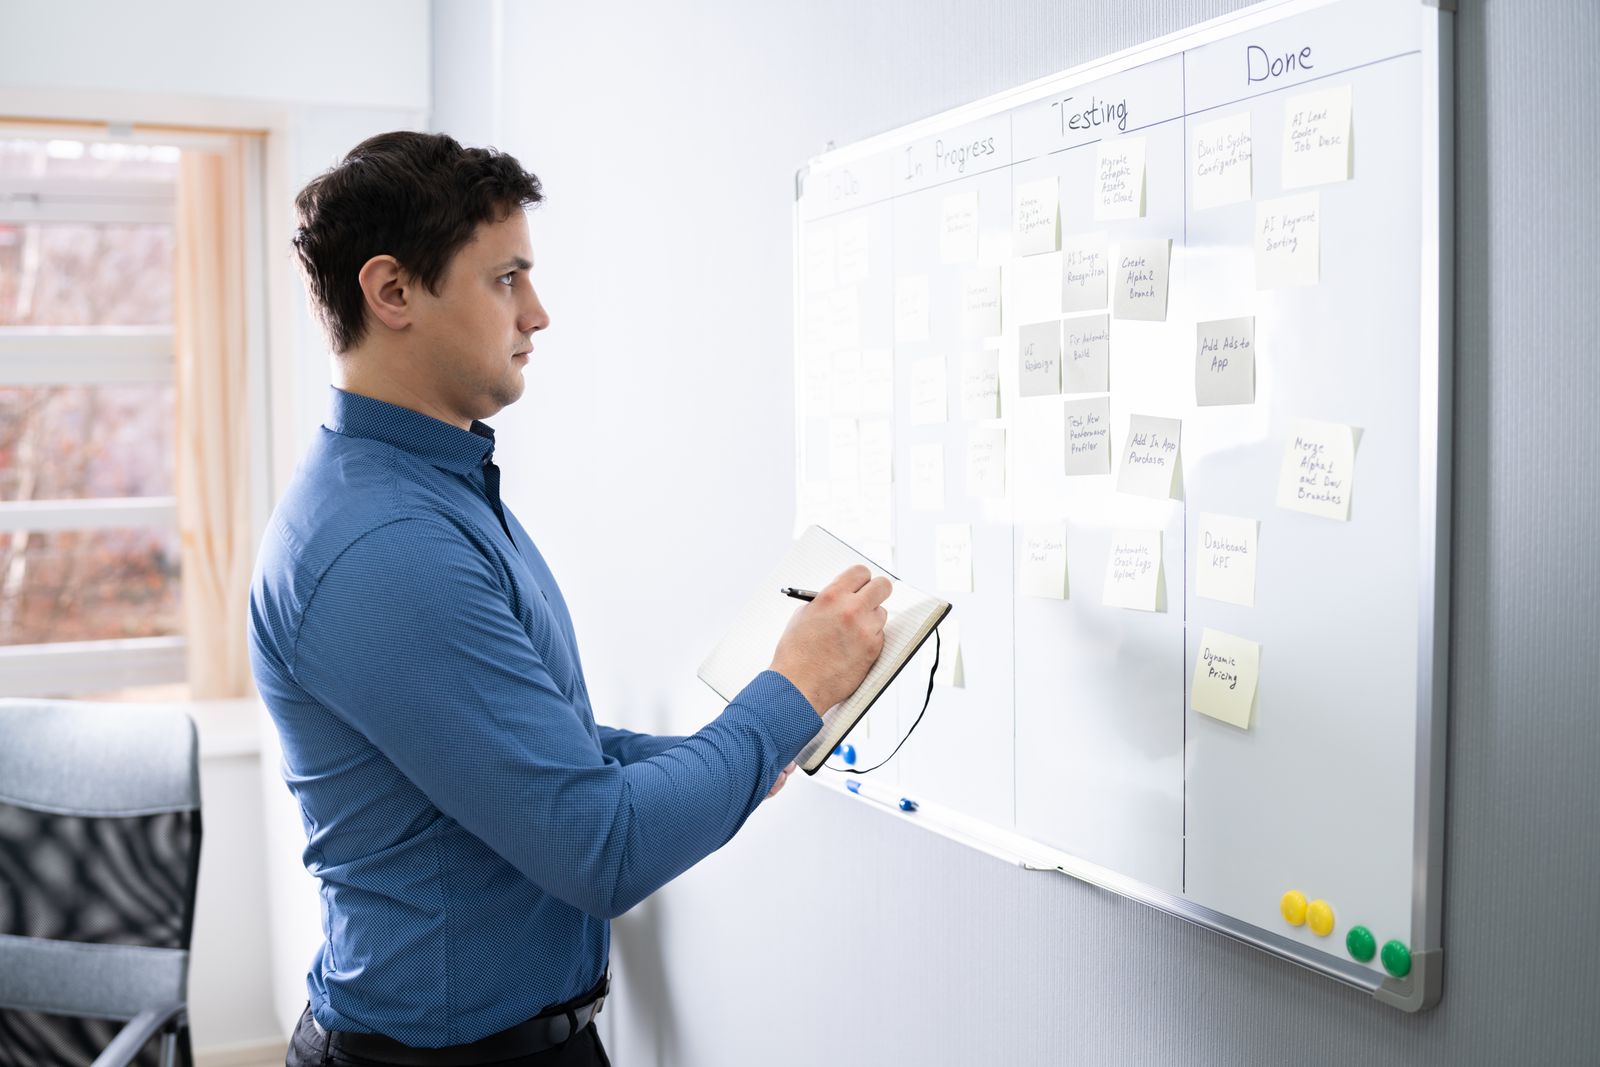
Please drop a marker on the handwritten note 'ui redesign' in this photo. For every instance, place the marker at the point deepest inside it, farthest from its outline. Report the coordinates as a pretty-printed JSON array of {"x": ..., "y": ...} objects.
[
  {"x": 1039, "y": 359},
  {"x": 1225, "y": 361},
  {"x": 1318, "y": 472},
  {"x": 1086, "y": 354},
  {"x": 958, "y": 228},
  {"x": 1226, "y": 672},
  {"x": 911, "y": 308},
  {"x": 986, "y": 462},
  {"x": 980, "y": 303},
  {"x": 1221, "y": 161},
  {"x": 1088, "y": 435},
  {"x": 1139, "y": 280},
  {"x": 1043, "y": 570},
  {"x": 1119, "y": 179},
  {"x": 1317, "y": 140},
  {"x": 952, "y": 670},
  {"x": 1227, "y": 559},
  {"x": 1133, "y": 571},
  {"x": 1288, "y": 241},
  {"x": 1035, "y": 218},
  {"x": 853, "y": 250},
  {"x": 929, "y": 399},
  {"x": 980, "y": 384},
  {"x": 1150, "y": 459},
  {"x": 1083, "y": 273},
  {"x": 927, "y": 477},
  {"x": 952, "y": 557}
]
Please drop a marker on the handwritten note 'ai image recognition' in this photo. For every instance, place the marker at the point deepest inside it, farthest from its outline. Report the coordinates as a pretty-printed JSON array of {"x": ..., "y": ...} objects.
[{"x": 1318, "y": 472}]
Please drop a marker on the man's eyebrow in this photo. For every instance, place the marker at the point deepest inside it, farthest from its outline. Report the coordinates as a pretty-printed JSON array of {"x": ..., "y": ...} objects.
[{"x": 516, "y": 262}]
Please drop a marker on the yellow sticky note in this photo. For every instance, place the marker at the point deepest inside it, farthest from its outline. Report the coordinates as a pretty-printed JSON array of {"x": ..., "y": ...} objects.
[{"x": 1226, "y": 672}]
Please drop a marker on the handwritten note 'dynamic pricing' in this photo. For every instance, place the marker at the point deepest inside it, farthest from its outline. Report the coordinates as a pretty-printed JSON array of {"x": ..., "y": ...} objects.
[
  {"x": 1226, "y": 672},
  {"x": 1288, "y": 241},
  {"x": 952, "y": 557},
  {"x": 1083, "y": 273},
  {"x": 1039, "y": 359},
  {"x": 1317, "y": 140},
  {"x": 958, "y": 228},
  {"x": 1319, "y": 462},
  {"x": 1088, "y": 435},
  {"x": 1140, "y": 280},
  {"x": 1119, "y": 179},
  {"x": 1221, "y": 159},
  {"x": 1043, "y": 570},
  {"x": 1035, "y": 218},
  {"x": 1227, "y": 559},
  {"x": 1225, "y": 362},
  {"x": 1150, "y": 460},
  {"x": 1086, "y": 354},
  {"x": 1133, "y": 571}
]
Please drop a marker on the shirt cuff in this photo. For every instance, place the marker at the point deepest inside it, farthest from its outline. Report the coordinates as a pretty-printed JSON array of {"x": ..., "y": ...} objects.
[{"x": 786, "y": 715}]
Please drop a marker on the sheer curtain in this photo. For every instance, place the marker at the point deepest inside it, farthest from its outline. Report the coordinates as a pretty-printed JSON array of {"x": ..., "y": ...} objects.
[{"x": 213, "y": 459}]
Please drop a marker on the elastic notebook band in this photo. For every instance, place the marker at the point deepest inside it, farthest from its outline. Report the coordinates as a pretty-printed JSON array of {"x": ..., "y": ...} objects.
[{"x": 925, "y": 701}]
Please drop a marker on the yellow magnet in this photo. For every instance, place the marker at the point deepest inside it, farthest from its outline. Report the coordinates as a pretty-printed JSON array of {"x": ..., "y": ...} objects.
[
  {"x": 1293, "y": 906},
  {"x": 1320, "y": 915}
]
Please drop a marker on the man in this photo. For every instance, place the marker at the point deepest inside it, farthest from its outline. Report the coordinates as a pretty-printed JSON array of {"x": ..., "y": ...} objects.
[{"x": 472, "y": 827}]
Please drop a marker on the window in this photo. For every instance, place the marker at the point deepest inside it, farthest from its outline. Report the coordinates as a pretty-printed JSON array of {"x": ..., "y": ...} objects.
[{"x": 90, "y": 583}]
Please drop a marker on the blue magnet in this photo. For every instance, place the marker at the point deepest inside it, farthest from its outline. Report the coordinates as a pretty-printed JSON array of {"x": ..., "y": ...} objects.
[
  {"x": 849, "y": 755},
  {"x": 907, "y": 805},
  {"x": 837, "y": 749},
  {"x": 854, "y": 787}
]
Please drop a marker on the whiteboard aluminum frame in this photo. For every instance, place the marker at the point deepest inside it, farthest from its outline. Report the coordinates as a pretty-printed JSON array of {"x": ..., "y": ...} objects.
[{"x": 1421, "y": 989}]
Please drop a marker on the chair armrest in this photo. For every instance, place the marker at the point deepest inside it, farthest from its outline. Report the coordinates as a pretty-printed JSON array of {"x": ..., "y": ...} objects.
[{"x": 139, "y": 1030}]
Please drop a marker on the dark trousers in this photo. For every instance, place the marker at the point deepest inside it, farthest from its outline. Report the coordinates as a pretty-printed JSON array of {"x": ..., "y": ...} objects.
[{"x": 308, "y": 1048}]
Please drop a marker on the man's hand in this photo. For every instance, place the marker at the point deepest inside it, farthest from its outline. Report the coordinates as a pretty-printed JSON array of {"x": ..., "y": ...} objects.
[
  {"x": 832, "y": 642},
  {"x": 783, "y": 776}
]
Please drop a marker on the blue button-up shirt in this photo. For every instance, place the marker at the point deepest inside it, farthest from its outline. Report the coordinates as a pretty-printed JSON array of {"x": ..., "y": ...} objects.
[{"x": 473, "y": 829}]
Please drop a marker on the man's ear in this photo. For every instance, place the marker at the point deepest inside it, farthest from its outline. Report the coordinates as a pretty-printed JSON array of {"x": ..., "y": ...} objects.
[{"x": 388, "y": 291}]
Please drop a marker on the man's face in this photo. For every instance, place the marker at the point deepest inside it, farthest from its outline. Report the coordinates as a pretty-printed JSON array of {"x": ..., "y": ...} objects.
[{"x": 477, "y": 333}]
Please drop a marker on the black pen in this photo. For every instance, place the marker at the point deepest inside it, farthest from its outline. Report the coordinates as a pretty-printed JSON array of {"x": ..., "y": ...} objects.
[{"x": 798, "y": 594}]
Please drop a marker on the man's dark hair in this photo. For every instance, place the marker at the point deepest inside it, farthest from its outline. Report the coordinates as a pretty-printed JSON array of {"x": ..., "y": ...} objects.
[{"x": 415, "y": 196}]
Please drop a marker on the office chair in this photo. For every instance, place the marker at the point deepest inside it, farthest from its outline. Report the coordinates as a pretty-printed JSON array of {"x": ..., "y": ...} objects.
[{"x": 99, "y": 852}]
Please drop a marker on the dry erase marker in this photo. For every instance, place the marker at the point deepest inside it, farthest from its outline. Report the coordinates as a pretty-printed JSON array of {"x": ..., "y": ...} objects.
[
  {"x": 798, "y": 594},
  {"x": 904, "y": 804}
]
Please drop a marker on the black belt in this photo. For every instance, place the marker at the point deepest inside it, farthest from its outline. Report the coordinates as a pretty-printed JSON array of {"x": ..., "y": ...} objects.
[{"x": 551, "y": 1027}]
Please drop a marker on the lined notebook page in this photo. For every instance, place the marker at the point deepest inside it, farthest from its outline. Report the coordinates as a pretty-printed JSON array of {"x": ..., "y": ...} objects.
[{"x": 815, "y": 560}]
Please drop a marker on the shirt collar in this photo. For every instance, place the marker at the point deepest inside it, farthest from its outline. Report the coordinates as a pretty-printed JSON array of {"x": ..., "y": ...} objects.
[{"x": 424, "y": 436}]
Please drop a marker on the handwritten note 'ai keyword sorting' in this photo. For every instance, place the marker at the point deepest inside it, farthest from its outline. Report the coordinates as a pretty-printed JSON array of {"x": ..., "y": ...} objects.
[{"x": 1288, "y": 241}]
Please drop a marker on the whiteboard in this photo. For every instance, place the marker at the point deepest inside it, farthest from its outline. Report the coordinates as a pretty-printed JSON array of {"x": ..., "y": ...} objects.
[{"x": 1072, "y": 744}]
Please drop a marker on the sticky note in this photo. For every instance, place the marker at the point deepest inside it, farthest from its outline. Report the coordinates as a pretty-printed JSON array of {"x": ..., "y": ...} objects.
[
  {"x": 1084, "y": 267},
  {"x": 929, "y": 403},
  {"x": 1086, "y": 354},
  {"x": 877, "y": 381},
  {"x": 1318, "y": 471},
  {"x": 980, "y": 384},
  {"x": 952, "y": 557},
  {"x": 876, "y": 471},
  {"x": 1043, "y": 569},
  {"x": 911, "y": 308},
  {"x": 1226, "y": 671},
  {"x": 1226, "y": 559},
  {"x": 1088, "y": 424},
  {"x": 951, "y": 671},
  {"x": 980, "y": 302},
  {"x": 1150, "y": 458},
  {"x": 1035, "y": 218},
  {"x": 986, "y": 462},
  {"x": 1039, "y": 359},
  {"x": 1225, "y": 361},
  {"x": 958, "y": 228},
  {"x": 1139, "y": 280},
  {"x": 853, "y": 250},
  {"x": 1288, "y": 241},
  {"x": 820, "y": 257},
  {"x": 1133, "y": 571},
  {"x": 1119, "y": 179},
  {"x": 1220, "y": 161},
  {"x": 846, "y": 382},
  {"x": 844, "y": 452},
  {"x": 1317, "y": 139},
  {"x": 816, "y": 385},
  {"x": 927, "y": 477}
]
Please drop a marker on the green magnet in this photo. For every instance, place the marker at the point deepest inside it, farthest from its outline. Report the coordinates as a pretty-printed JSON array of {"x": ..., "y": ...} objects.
[
  {"x": 1396, "y": 959},
  {"x": 1362, "y": 945}
]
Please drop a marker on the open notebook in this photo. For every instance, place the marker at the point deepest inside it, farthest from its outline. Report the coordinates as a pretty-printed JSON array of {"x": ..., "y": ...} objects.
[{"x": 815, "y": 560}]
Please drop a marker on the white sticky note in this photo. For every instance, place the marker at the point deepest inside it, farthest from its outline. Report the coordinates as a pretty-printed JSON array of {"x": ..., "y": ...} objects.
[
  {"x": 1288, "y": 241},
  {"x": 841, "y": 314},
  {"x": 1225, "y": 361},
  {"x": 1133, "y": 571},
  {"x": 1227, "y": 559},
  {"x": 844, "y": 452},
  {"x": 1043, "y": 569},
  {"x": 1226, "y": 672},
  {"x": 986, "y": 462},
  {"x": 1084, "y": 268},
  {"x": 1086, "y": 354},
  {"x": 846, "y": 382},
  {"x": 980, "y": 303},
  {"x": 1318, "y": 472},
  {"x": 877, "y": 382},
  {"x": 1150, "y": 458},
  {"x": 820, "y": 257},
  {"x": 854, "y": 263},
  {"x": 1119, "y": 179},
  {"x": 1317, "y": 138},
  {"x": 817, "y": 381},
  {"x": 1139, "y": 280},
  {"x": 1220, "y": 158},
  {"x": 980, "y": 384},
  {"x": 929, "y": 402},
  {"x": 952, "y": 557},
  {"x": 927, "y": 477},
  {"x": 958, "y": 228},
  {"x": 951, "y": 671},
  {"x": 1035, "y": 218},
  {"x": 911, "y": 308},
  {"x": 877, "y": 456},
  {"x": 1088, "y": 425},
  {"x": 1039, "y": 359}
]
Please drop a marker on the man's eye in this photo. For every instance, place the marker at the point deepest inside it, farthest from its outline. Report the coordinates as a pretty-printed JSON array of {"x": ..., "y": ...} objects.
[{"x": 507, "y": 278}]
